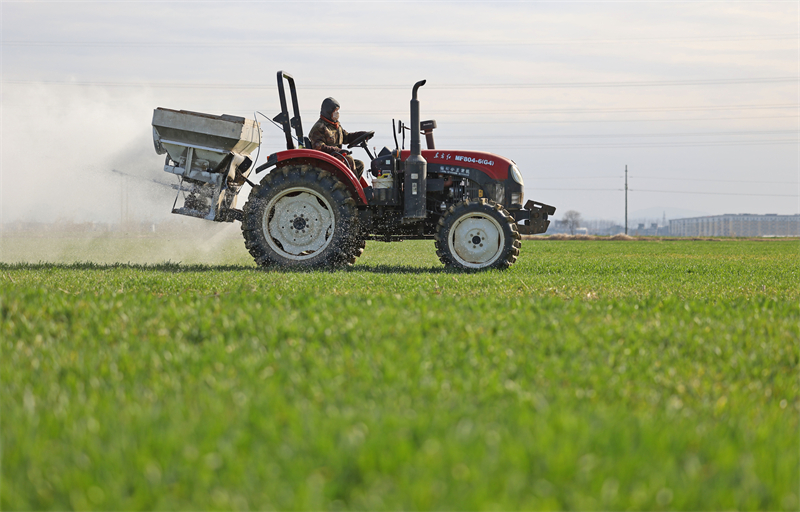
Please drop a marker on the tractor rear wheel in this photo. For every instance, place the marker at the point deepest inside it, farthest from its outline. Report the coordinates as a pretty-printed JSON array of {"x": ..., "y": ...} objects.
[
  {"x": 477, "y": 234},
  {"x": 302, "y": 217}
]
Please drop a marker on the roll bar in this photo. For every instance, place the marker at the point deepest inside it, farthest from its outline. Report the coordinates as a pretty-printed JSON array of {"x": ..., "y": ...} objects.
[{"x": 283, "y": 118}]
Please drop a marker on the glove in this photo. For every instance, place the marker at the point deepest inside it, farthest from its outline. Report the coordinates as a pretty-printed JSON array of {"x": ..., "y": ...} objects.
[{"x": 331, "y": 150}]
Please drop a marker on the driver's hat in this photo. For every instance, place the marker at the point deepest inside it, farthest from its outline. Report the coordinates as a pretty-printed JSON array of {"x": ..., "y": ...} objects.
[{"x": 328, "y": 106}]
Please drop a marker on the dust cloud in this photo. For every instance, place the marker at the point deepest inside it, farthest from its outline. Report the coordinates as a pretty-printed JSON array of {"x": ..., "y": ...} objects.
[
  {"x": 61, "y": 146},
  {"x": 79, "y": 170}
]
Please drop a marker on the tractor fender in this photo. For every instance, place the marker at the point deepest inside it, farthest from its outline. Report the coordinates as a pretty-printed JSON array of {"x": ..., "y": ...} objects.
[{"x": 326, "y": 162}]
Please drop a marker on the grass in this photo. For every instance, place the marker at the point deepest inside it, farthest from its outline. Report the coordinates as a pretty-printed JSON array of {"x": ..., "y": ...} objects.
[{"x": 592, "y": 375}]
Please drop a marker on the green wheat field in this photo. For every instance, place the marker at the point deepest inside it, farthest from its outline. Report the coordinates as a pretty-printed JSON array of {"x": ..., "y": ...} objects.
[{"x": 592, "y": 375}]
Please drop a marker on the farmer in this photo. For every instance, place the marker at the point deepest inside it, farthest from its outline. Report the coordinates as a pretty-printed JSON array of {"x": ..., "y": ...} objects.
[{"x": 328, "y": 135}]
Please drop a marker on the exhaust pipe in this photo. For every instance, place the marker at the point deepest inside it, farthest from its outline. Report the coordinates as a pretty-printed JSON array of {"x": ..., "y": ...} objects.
[
  {"x": 416, "y": 168},
  {"x": 415, "y": 129}
]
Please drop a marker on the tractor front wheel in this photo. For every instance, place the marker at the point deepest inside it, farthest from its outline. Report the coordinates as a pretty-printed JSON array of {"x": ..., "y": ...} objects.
[
  {"x": 301, "y": 216},
  {"x": 477, "y": 234}
]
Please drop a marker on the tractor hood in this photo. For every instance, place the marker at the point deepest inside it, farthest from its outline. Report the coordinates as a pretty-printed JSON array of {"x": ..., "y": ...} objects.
[{"x": 452, "y": 161}]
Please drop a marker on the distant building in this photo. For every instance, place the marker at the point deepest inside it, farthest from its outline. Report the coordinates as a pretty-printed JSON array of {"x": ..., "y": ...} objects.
[
  {"x": 741, "y": 224},
  {"x": 654, "y": 230},
  {"x": 590, "y": 227}
]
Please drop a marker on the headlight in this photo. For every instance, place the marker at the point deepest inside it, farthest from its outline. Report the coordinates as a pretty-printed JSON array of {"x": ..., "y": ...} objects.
[
  {"x": 517, "y": 197},
  {"x": 499, "y": 193},
  {"x": 515, "y": 174}
]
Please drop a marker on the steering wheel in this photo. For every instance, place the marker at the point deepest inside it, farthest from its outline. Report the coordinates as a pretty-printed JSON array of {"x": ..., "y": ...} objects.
[{"x": 361, "y": 139}]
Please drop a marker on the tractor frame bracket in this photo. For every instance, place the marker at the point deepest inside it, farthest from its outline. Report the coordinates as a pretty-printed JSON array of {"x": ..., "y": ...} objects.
[{"x": 533, "y": 218}]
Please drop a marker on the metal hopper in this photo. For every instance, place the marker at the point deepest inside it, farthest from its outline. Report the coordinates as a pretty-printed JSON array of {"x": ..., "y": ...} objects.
[{"x": 210, "y": 154}]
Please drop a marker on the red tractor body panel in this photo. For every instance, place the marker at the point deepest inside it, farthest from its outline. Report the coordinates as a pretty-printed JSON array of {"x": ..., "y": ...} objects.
[
  {"x": 494, "y": 166},
  {"x": 329, "y": 163}
]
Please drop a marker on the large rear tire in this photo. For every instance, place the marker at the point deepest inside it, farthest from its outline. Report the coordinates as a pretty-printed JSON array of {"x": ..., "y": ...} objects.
[
  {"x": 477, "y": 234},
  {"x": 302, "y": 217}
]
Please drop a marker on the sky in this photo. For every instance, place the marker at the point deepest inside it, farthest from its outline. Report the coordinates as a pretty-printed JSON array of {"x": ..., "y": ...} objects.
[{"x": 700, "y": 100}]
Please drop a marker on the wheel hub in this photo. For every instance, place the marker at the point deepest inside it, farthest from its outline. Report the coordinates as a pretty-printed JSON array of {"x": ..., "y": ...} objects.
[
  {"x": 476, "y": 240},
  {"x": 301, "y": 222}
]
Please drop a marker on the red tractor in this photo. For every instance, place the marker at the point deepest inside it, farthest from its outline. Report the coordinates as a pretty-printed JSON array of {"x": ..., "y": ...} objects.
[{"x": 311, "y": 211}]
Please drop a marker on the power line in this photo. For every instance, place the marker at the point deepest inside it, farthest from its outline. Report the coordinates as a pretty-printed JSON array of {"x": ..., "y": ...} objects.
[
  {"x": 660, "y": 191},
  {"x": 578, "y": 178},
  {"x": 331, "y": 87},
  {"x": 716, "y": 181},
  {"x": 578, "y": 189},
  {"x": 389, "y": 44},
  {"x": 620, "y": 135},
  {"x": 448, "y": 114},
  {"x": 711, "y": 193},
  {"x": 652, "y": 145},
  {"x": 575, "y": 121},
  {"x": 690, "y": 108},
  {"x": 369, "y": 118}
]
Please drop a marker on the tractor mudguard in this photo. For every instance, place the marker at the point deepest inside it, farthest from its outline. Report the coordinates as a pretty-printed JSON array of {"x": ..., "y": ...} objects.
[{"x": 323, "y": 161}]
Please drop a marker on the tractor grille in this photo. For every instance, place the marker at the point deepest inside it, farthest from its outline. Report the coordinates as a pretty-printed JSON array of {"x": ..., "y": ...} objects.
[{"x": 472, "y": 190}]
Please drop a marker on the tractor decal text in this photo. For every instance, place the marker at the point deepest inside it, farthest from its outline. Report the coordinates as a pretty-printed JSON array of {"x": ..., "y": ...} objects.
[
  {"x": 460, "y": 158},
  {"x": 458, "y": 171}
]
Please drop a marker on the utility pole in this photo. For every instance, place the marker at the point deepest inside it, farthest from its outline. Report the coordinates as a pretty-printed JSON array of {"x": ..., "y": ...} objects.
[{"x": 626, "y": 199}]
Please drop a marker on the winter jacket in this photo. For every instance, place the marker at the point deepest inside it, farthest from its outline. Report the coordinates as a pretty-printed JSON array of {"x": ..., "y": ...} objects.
[{"x": 329, "y": 137}]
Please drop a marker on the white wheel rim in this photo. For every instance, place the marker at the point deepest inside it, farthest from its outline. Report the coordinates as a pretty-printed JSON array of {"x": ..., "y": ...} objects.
[
  {"x": 298, "y": 223},
  {"x": 476, "y": 240}
]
